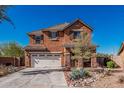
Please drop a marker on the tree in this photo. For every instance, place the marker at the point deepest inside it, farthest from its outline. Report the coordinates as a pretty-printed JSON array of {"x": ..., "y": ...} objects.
[
  {"x": 81, "y": 49},
  {"x": 11, "y": 49},
  {"x": 104, "y": 55},
  {"x": 3, "y": 14}
]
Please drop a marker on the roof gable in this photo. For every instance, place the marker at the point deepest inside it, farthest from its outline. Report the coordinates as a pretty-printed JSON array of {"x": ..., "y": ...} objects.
[{"x": 77, "y": 20}]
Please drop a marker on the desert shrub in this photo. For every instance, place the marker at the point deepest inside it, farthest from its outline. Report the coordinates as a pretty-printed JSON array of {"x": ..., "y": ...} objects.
[
  {"x": 121, "y": 79},
  {"x": 75, "y": 74},
  {"x": 79, "y": 73},
  {"x": 107, "y": 72},
  {"x": 111, "y": 64},
  {"x": 11, "y": 69},
  {"x": 3, "y": 70},
  {"x": 115, "y": 66},
  {"x": 84, "y": 73}
]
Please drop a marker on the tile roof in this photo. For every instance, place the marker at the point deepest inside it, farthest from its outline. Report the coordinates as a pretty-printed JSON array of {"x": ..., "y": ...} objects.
[
  {"x": 34, "y": 48},
  {"x": 53, "y": 28},
  {"x": 58, "y": 27},
  {"x": 39, "y": 32}
]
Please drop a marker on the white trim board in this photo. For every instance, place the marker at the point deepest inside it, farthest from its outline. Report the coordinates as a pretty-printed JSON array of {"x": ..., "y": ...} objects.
[{"x": 47, "y": 52}]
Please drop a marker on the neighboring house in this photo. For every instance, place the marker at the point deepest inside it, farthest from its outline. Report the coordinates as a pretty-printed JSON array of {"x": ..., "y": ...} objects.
[
  {"x": 121, "y": 50},
  {"x": 52, "y": 46},
  {"x": 120, "y": 59}
]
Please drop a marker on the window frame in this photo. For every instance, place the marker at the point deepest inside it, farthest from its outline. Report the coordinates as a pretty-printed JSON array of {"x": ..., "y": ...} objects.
[
  {"x": 38, "y": 39},
  {"x": 54, "y": 35},
  {"x": 77, "y": 35}
]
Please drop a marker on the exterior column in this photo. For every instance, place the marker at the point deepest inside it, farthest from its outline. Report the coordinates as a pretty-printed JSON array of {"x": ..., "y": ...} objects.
[
  {"x": 64, "y": 58},
  {"x": 67, "y": 60},
  {"x": 27, "y": 61},
  {"x": 94, "y": 63}
]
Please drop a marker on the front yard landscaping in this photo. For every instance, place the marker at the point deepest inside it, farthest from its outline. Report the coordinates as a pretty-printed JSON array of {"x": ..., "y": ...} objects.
[
  {"x": 96, "y": 78},
  {"x": 7, "y": 52},
  {"x": 5, "y": 70}
]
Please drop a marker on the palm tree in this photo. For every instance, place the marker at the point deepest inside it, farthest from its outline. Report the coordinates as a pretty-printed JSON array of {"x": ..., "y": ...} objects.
[{"x": 3, "y": 14}]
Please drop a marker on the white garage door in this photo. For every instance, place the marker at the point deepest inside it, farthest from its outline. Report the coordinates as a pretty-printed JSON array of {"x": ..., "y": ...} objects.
[{"x": 45, "y": 60}]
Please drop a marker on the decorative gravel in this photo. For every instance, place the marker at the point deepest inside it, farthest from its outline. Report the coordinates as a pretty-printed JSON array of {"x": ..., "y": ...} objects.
[{"x": 97, "y": 80}]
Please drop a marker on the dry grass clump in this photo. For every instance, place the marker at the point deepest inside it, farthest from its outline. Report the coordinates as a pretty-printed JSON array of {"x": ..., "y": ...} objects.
[
  {"x": 4, "y": 70},
  {"x": 107, "y": 73},
  {"x": 121, "y": 79}
]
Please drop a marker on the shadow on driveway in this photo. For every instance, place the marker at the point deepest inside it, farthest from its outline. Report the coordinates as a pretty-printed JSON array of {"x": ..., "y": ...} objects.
[{"x": 44, "y": 71}]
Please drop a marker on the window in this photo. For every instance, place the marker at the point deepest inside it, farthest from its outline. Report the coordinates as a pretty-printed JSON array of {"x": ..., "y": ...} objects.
[
  {"x": 77, "y": 35},
  {"x": 56, "y": 55},
  {"x": 54, "y": 35},
  {"x": 41, "y": 55},
  {"x": 34, "y": 55},
  {"x": 38, "y": 39},
  {"x": 49, "y": 55}
]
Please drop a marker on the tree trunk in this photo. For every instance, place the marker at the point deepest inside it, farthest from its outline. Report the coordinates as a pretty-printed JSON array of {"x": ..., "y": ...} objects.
[
  {"x": 14, "y": 60},
  {"x": 80, "y": 63}
]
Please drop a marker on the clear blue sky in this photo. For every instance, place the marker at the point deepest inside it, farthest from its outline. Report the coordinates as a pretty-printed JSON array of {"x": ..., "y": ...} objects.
[{"x": 106, "y": 21}]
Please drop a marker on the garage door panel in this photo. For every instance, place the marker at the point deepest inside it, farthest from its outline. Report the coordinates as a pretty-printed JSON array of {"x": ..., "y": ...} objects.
[{"x": 46, "y": 61}]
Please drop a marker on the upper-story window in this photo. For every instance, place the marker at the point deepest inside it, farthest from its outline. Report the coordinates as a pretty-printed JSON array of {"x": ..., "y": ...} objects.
[
  {"x": 38, "y": 39},
  {"x": 77, "y": 35},
  {"x": 54, "y": 35}
]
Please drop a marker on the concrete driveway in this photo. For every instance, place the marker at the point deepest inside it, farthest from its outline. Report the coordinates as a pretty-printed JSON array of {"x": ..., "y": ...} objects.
[{"x": 34, "y": 78}]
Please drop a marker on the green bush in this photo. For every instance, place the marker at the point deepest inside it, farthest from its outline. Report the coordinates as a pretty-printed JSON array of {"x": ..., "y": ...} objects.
[
  {"x": 111, "y": 64},
  {"x": 84, "y": 73},
  {"x": 75, "y": 74},
  {"x": 79, "y": 73}
]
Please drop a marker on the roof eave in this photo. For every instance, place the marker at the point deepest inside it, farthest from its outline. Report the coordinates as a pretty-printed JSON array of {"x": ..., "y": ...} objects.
[{"x": 120, "y": 49}]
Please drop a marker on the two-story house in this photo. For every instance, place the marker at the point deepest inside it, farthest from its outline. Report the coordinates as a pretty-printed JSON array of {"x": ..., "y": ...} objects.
[{"x": 52, "y": 46}]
